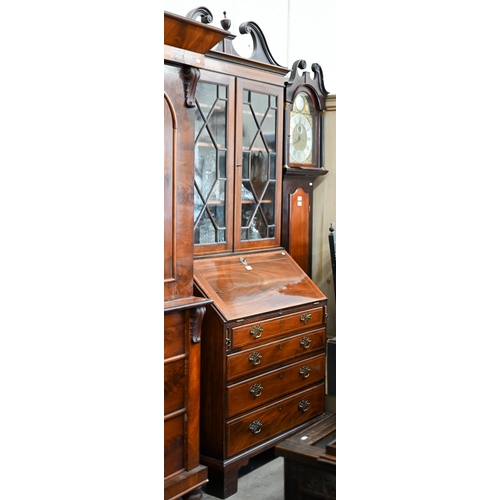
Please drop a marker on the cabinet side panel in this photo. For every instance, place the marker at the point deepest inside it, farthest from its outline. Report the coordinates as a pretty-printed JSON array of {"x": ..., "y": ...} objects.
[
  {"x": 212, "y": 385},
  {"x": 170, "y": 131},
  {"x": 179, "y": 191}
]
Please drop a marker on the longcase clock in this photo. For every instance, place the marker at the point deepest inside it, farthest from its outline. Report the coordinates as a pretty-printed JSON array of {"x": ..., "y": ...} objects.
[{"x": 305, "y": 102}]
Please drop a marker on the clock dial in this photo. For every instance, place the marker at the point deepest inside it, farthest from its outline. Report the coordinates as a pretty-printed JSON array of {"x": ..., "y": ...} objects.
[{"x": 301, "y": 139}]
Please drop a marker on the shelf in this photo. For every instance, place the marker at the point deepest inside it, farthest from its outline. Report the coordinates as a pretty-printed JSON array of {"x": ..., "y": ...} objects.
[{"x": 250, "y": 202}]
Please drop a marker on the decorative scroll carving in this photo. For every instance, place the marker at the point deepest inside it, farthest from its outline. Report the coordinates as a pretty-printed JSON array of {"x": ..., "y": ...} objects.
[
  {"x": 191, "y": 76},
  {"x": 206, "y": 15},
  {"x": 316, "y": 83},
  {"x": 195, "y": 319},
  {"x": 261, "y": 50}
]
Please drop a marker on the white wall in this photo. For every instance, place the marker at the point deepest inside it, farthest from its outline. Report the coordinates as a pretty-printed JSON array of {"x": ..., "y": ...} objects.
[{"x": 291, "y": 30}]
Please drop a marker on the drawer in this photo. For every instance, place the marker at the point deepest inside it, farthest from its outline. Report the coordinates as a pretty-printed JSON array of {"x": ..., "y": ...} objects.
[
  {"x": 261, "y": 425},
  {"x": 173, "y": 339},
  {"x": 251, "y": 393},
  {"x": 274, "y": 353},
  {"x": 173, "y": 386},
  {"x": 173, "y": 445},
  {"x": 268, "y": 329}
]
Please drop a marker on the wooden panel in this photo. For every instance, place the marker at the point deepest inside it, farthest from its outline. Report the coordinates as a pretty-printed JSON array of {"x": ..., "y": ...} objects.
[
  {"x": 170, "y": 132},
  {"x": 298, "y": 224},
  {"x": 173, "y": 386},
  {"x": 274, "y": 353},
  {"x": 260, "y": 390},
  {"x": 180, "y": 188},
  {"x": 173, "y": 336},
  {"x": 274, "y": 282},
  {"x": 262, "y": 331},
  {"x": 188, "y": 34},
  {"x": 184, "y": 482},
  {"x": 173, "y": 440},
  {"x": 275, "y": 419}
]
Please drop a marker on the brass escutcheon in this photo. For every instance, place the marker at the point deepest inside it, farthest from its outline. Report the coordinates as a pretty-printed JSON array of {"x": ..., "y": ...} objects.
[
  {"x": 256, "y": 331},
  {"x": 304, "y": 405},
  {"x": 305, "y": 318},
  {"x": 255, "y": 427},
  {"x": 256, "y": 390},
  {"x": 305, "y": 342},
  {"x": 255, "y": 358},
  {"x": 305, "y": 371}
]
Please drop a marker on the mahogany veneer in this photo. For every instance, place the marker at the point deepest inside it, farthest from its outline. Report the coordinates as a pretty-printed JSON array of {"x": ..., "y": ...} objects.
[{"x": 263, "y": 359}]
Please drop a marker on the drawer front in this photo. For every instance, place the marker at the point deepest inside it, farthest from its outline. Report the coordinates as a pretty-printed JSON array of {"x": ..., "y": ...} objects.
[
  {"x": 174, "y": 328},
  {"x": 254, "y": 360},
  {"x": 173, "y": 445},
  {"x": 258, "y": 426},
  {"x": 268, "y": 329},
  {"x": 248, "y": 395},
  {"x": 173, "y": 386}
]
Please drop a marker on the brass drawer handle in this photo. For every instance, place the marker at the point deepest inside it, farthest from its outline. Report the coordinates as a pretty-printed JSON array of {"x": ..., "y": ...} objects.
[
  {"x": 305, "y": 371},
  {"x": 256, "y": 331},
  {"x": 255, "y": 358},
  {"x": 305, "y": 342},
  {"x": 305, "y": 318},
  {"x": 304, "y": 405},
  {"x": 256, "y": 390},
  {"x": 255, "y": 427}
]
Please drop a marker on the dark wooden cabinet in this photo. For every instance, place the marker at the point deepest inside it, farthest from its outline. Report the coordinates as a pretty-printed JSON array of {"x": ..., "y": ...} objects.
[
  {"x": 311, "y": 462},
  {"x": 263, "y": 358},
  {"x": 183, "y": 312}
]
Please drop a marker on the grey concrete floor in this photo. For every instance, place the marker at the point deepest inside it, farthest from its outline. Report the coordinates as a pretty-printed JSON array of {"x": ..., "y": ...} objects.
[{"x": 261, "y": 479}]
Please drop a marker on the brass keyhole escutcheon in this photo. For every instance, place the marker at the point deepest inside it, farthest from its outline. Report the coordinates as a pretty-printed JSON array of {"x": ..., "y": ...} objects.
[
  {"x": 281, "y": 346},
  {"x": 256, "y": 390},
  {"x": 305, "y": 342},
  {"x": 255, "y": 358},
  {"x": 256, "y": 331},
  {"x": 305, "y": 371},
  {"x": 255, "y": 427},
  {"x": 305, "y": 318},
  {"x": 281, "y": 374}
]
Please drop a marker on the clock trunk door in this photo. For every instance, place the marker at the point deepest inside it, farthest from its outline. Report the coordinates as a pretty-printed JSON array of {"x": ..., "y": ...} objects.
[{"x": 258, "y": 158}]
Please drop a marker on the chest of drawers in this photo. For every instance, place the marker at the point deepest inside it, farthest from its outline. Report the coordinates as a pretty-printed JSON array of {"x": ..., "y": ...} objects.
[{"x": 262, "y": 358}]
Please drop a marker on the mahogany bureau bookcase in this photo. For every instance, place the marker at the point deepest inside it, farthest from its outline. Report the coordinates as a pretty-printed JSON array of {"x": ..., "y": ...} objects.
[{"x": 264, "y": 336}]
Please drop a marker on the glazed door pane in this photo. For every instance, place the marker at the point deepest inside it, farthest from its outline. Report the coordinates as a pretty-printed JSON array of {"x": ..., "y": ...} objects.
[
  {"x": 258, "y": 145},
  {"x": 213, "y": 153}
]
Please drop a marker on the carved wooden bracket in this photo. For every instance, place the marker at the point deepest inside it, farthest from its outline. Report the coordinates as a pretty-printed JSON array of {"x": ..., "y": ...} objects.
[
  {"x": 195, "y": 319},
  {"x": 190, "y": 76}
]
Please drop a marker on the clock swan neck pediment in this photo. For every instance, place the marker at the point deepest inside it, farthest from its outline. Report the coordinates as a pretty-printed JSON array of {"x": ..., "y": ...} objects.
[{"x": 314, "y": 84}]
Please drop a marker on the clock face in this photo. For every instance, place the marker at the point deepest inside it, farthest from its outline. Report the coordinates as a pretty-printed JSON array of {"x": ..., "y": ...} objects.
[{"x": 301, "y": 139}]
